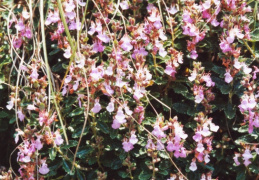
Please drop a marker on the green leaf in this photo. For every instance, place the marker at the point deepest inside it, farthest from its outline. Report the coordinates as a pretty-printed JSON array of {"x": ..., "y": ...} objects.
[
  {"x": 145, "y": 175},
  {"x": 77, "y": 132},
  {"x": 241, "y": 175},
  {"x": 76, "y": 112},
  {"x": 116, "y": 164},
  {"x": 180, "y": 89},
  {"x": 3, "y": 114},
  {"x": 103, "y": 127},
  {"x": 123, "y": 174},
  {"x": 180, "y": 107},
  {"x": 84, "y": 151},
  {"x": 12, "y": 120},
  {"x": 80, "y": 175},
  {"x": 160, "y": 81},
  {"x": 230, "y": 111},
  {"x": 66, "y": 166},
  {"x": 254, "y": 35},
  {"x": 28, "y": 89},
  {"x": 165, "y": 164},
  {"x": 163, "y": 154},
  {"x": 55, "y": 51},
  {"x": 52, "y": 153}
]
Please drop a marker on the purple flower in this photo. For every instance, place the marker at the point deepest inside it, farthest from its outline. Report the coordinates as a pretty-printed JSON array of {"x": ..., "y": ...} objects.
[
  {"x": 110, "y": 107},
  {"x": 158, "y": 132},
  {"x": 124, "y": 5},
  {"x": 193, "y": 166},
  {"x": 126, "y": 45},
  {"x": 97, "y": 107},
  {"x": 127, "y": 146},
  {"x": 133, "y": 139},
  {"x": 228, "y": 77},
  {"x": 246, "y": 156},
  {"x": 21, "y": 116},
  {"x": 44, "y": 167},
  {"x": 58, "y": 139}
]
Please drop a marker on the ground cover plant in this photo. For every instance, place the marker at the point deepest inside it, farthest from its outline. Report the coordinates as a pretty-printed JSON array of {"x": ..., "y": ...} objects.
[{"x": 129, "y": 89}]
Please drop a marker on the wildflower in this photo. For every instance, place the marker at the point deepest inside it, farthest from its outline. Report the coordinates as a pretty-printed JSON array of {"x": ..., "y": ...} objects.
[
  {"x": 97, "y": 107},
  {"x": 228, "y": 77},
  {"x": 44, "y": 167},
  {"x": 124, "y": 5},
  {"x": 58, "y": 140},
  {"x": 193, "y": 166}
]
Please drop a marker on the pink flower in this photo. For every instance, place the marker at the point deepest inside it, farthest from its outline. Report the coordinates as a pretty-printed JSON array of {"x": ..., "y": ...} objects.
[
  {"x": 200, "y": 148},
  {"x": 44, "y": 167},
  {"x": 103, "y": 37},
  {"x": 237, "y": 155},
  {"x": 31, "y": 107},
  {"x": 234, "y": 32},
  {"x": 116, "y": 124},
  {"x": 69, "y": 6},
  {"x": 170, "y": 70},
  {"x": 193, "y": 166},
  {"x": 109, "y": 71},
  {"x": 95, "y": 28},
  {"x": 38, "y": 144},
  {"x": 110, "y": 107},
  {"x": 34, "y": 75},
  {"x": 228, "y": 77},
  {"x": 124, "y": 5},
  {"x": 97, "y": 107},
  {"x": 97, "y": 46},
  {"x": 133, "y": 139},
  {"x": 173, "y": 9},
  {"x": 20, "y": 25},
  {"x": 170, "y": 146},
  {"x": 224, "y": 45},
  {"x": 17, "y": 42},
  {"x": 193, "y": 76},
  {"x": 58, "y": 140},
  {"x": 150, "y": 144},
  {"x": 159, "y": 145},
  {"x": 187, "y": 16},
  {"x": 67, "y": 53},
  {"x": 214, "y": 22},
  {"x": 207, "y": 79},
  {"x": 21, "y": 116},
  {"x": 96, "y": 75},
  {"x": 127, "y": 146},
  {"x": 52, "y": 17},
  {"x": 246, "y": 156},
  {"x": 207, "y": 158},
  {"x": 194, "y": 54},
  {"x": 27, "y": 33},
  {"x": 197, "y": 137},
  {"x": 199, "y": 97},
  {"x": 158, "y": 132},
  {"x": 126, "y": 45},
  {"x": 71, "y": 15},
  {"x": 120, "y": 117},
  {"x": 25, "y": 14},
  {"x": 10, "y": 105},
  {"x": 213, "y": 127}
]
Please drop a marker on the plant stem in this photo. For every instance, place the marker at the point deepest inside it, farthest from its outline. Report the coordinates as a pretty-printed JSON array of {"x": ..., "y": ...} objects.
[{"x": 48, "y": 68}]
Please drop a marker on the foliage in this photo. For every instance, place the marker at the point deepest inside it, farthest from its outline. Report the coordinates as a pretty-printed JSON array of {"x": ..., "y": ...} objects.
[{"x": 129, "y": 90}]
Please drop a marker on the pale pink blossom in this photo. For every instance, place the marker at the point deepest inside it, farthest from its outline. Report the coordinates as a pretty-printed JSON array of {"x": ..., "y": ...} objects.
[
  {"x": 228, "y": 77},
  {"x": 124, "y": 5},
  {"x": 127, "y": 146},
  {"x": 44, "y": 167},
  {"x": 193, "y": 166},
  {"x": 97, "y": 106}
]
